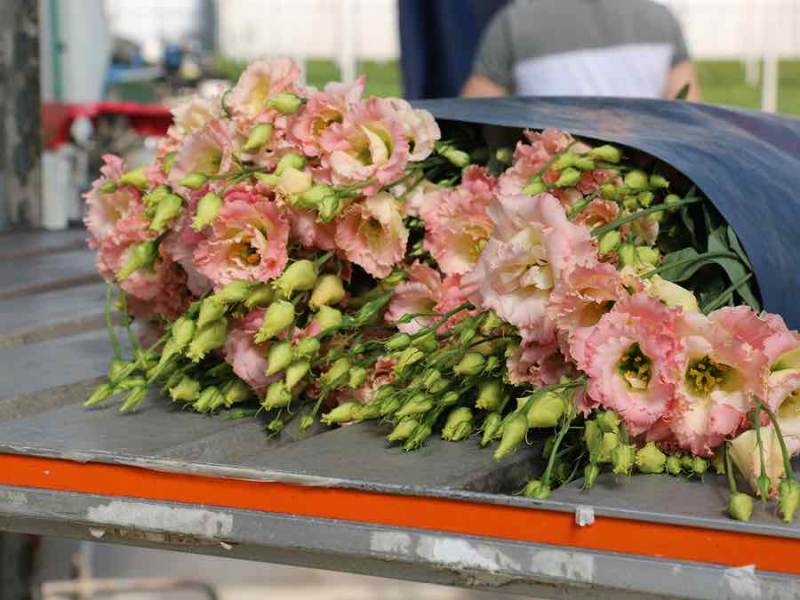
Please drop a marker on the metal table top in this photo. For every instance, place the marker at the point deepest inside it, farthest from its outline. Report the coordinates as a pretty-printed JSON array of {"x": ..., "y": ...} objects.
[{"x": 339, "y": 499}]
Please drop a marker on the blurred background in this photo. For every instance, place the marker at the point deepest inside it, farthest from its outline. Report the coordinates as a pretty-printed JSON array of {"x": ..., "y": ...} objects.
[{"x": 107, "y": 72}]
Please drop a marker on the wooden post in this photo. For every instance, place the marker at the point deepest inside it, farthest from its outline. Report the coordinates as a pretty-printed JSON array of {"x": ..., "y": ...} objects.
[{"x": 20, "y": 114}]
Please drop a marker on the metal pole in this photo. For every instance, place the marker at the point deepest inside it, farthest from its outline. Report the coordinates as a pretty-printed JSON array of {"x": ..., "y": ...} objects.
[{"x": 20, "y": 117}]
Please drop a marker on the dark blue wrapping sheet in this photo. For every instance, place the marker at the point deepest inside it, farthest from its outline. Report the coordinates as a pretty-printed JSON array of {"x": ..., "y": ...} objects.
[{"x": 746, "y": 163}]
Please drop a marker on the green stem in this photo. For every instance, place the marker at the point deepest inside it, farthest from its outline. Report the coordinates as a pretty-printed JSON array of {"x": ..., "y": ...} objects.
[
  {"x": 729, "y": 470},
  {"x": 688, "y": 261},
  {"x": 551, "y": 461},
  {"x": 117, "y": 348},
  {"x": 132, "y": 339},
  {"x": 726, "y": 294},
  {"x": 754, "y": 417},
  {"x": 617, "y": 223},
  {"x": 787, "y": 463}
]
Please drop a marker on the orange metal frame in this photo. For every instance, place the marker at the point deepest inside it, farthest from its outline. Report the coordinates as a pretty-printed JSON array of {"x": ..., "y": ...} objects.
[{"x": 659, "y": 540}]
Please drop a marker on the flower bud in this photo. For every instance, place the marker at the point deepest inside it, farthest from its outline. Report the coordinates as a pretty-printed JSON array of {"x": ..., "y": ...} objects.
[
  {"x": 295, "y": 373},
  {"x": 207, "y": 210},
  {"x": 590, "y": 473},
  {"x": 491, "y": 323},
  {"x": 456, "y": 157},
  {"x": 117, "y": 369},
  {"x": 608, "y": 421},
  {"x": 285, "y": 103},
  {"x": 491, "y": 427},
  {"x": 584, "y": 163},
  {"x": 458, "y": 424},
  {"x": 647, "y": 255},
  {"x": 294, "y": 181},
  {"x": 328, "y": 290},
  {"x": 718, "y": 461},
  {"x": 608, "y": 191},
  {"x": 142, "y": 256},
  {"x": 645, "y": 199},
  {"x": 268, "y": 179},
  {"x": 490, "y": 395},
  {"x": 699, "y": 465},
  {"x": 431, "y": 378},
  {"x": 135, "y": 177},
  {"x": 687, "y": 461},
  {"x": 170, "y": 207},
  {"x": 300, "y": 276},
  {"x": 261, "y": 295},
  {"x": 671, "y": 294},
  {"x": 536, "y": 489},
  {"x": 650, "y": 459},
  {"x": 236, "y": 391},
  {"x": 100, "y": 394},
  {"x": 169, "y": 160},
  {"x": 535, "y": 187},
  {"x": 515, "y": 428},
  {"x": 622, "y": 458},
  {"x": 276, "y": 425},
  {"x": 212, "y": 308},
  {"x": 183, "y": 330},
  {"x": 259, "y": 135},
  {"x": 210, "y": 399},
  {"x": 187, "y": 390},
  {"x": 311, "y": 198},
  {"x": 410, "y": 356},
  {"x": 788, "y": 499},
  {"x": 740, "y": 506},
  {"x": 763, "y": 486},
  {"x": 608, "y": 443},
  {"x": 337, "y": 373},
  {"x": 329, "y": 319},
  {"x": 235, "y": 292},
  {"x": 290, "y": 161},
  {"x": 133, "y": 399},
  {"x": 277, "y": 396},
  {"x": 279, "y": 316},
  {"x": 358, "y": 375},
  {"x": 426, "y": 343},
  {"x": 449, "y": 398},
  {"x": 569, "y": 177},
  {"x": 399, "y": 341},
  {"x": 606, "y": 153},
  {"x": 658, "y": 182},
  {"x": 418, "y": 404},
  {"x": 307, "y": 348},
  {"x": 421, "y": 433},
  {"x": 329, "y": 208},
  {"x": 193, "y": 181},
  {"x": 279, "y": 357},
  {"x": 627, "y": 254},
  {"x": 564, "y": 161},
  {"x": 366, "y": 412},
  {"x": 208, "y": 338},
  {"x": 341, "y": 414},
  {"x": 546, "y": 410},
  {"x": 306, "y": 422},
  {"x": 609, "y": 242},
  {"x": 402, "y": 430},
  {"x": 108, "y": 187},
  {"x": 471, "y": 363},
  {"x": 673, "y": 465},
  {"x": 130, "y": 383},
  {"x": 636, "y": 180}
]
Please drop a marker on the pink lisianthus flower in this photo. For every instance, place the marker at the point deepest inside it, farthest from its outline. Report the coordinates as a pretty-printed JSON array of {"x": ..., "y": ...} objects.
[
  {"x": 631, "y": 358},
  {"x": 208, "y": 151},
  {"x": 584, "y": 294},
  {"x": 720, "y": 373},
  {"x": 457, "y": 223},
  {"x": 260, "y": 81},
  {"x": 597, "y": 213},
  {"x": 533, "y": 245},
  {"x": 382, "y": 373},
  {"x": 367, "y": 148},
  {"x": 371, "y": 234},
  {"x": 247, "y": 358},
  {"x": 322, "y": 110},
  {"x": 538, "y": 362},
  {"x": 180, "y": 244},
  {"x": 419, "y": 127},
  {"x": 103, "y": 211},
  {"x": 529, "y": 159},
  {"x": 193, "y": 114},
  {"x": 248, "y": 240},
  {"x": 311, "y": 234}
]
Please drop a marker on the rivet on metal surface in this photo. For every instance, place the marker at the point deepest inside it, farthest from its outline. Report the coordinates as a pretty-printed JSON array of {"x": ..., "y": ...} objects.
[{"x": 584, "y": 516}]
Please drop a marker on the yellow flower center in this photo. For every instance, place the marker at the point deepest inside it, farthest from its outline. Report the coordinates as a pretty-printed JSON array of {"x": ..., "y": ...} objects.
[
  {"x": 246, "y": 252},
  {"x": 635, "y": 368},
  {"x": 706, "y": 375}
]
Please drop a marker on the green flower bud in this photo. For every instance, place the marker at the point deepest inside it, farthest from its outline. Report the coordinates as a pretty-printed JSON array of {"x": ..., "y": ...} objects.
[
  {"x": 687, "y": 462},
  {"x": 136, "y": 178},
  {"x": 627, "y": 254},
  {"x": 300, "y": 276},
  {"x": 385, "y": 392},
  {"x": 564, "y": 161},
  {"x": 293, "y": 182},
  {"x": 279, "y": 357},
  {"x": 193, "y": 181},
  {"x": 269, "y": 179},
  {"x": 608, "y": 191},
  {"x": 426, "y": 343},
  {"x": 491, "y": 323},
  {"x": 458, "y": 424},
  {"x": 699, "y": 465},
  {"x": 763, "y": 486},
  {"x": 183, "y": 330},
  {"x": 279, "y": 316},
  {"x": 261, "y": 295},
  {"x": 673, "y": 465},
  {"x": 210, "y": 399},
  {"x": 439, "y": 387},
  {"x": 108, "y": 187},
  {"x": 130, "y": 383},
  {"x": 410, "y": 356},
  {"x": 100, "y": 394},
  {"x": 186, "y": 390},
  {"x": 536, "y": 489},
  {"x": 569, "y": 177},
  {"x": 504, "y": 155},
  {"x": 337, "y": 374},
  {"x": 622, "y": 458},
  {"x": 788, "y": 499},
  {"x": 658, "y": 182},
  {"x": 457, "y": 158},
  {"x": 403, "y": 430},
  {"x": 584, "y": 164},
  {"x": 212, "y": 308},
  {"x": 515, "y": 428},
  {"x": 311, "y": 198},
  {"x": 295, "y": 373},
  {"x": 307, "y": 348},
  {"x": 306, "y": 422},
  {"x": 366, "y": 412},
  {"x": 417, "y": 437},
  {"x": 341, "y": 414},
  {"x": 208, "y": 338},
  {"x": 259, "y": 135},
  {"x": 277, "y": 396},
  {"x": 431, "y": 378},
  {"x": 609, "y": 443},
  {"x": 328, "y": 290},
  {"x": 546, "y": 410},
  {"x": 606, "y": 153},
  {"x": 535, "y": 187},
  {"x": 276, "y": 425},
  {"x": 471, "y": 363},
  {"x": 740, "y": 506},
  {"x": 285, "y": 103},
  {"x": 117, "y": 368},
  {"x": 290, "y": 161},
  {"x": 491, "y": 427},
  {"x": 608, "y": 421},
  {"x": 647, "y": 255},
  {"x": 153, "y": 197},
  {"x": 169, "y": 208},
  {"x": 236, "y": 391},
  {"x": 718, "y": 461},
  {"x": 133, "y": 399},
  {"x": 645, "y": 199},
  {"x": 636, "y": 180},
  {"x": 169, "y": 160},
  {"x": 672, "y": 199},
  {"x": 329, "y": 319},
  {"x": 490, "y": 395},
  {"x": 142, "y": 256},
  {"x": 399, "y": 341},
  {"x": 418, "y": 404},
  {"x": 590, "y": 473},
  {"x": 449, "y": 398},
  {"x": 358, "y": 375},
  {"x": 235, "y": 292},
  {"x": 650, "y": 459},
  {"x": 609, "y": 242},
  {"x": 329, "y": 208}
]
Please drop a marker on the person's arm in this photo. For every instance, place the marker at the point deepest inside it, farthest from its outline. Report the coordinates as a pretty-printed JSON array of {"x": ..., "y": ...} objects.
[
  {"x": 682, "y": 74},
  {"x": 480, "y": 86},
  {"x": 492, "y": 72}
]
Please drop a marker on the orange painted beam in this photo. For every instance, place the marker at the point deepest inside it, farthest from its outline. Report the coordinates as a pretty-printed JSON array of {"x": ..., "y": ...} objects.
[{"x": 659, "y": 540}]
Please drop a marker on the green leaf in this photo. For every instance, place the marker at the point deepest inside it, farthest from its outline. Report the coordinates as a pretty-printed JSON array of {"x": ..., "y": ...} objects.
[
  {"x": 687, "y": 262},
  {"x": 735, "y": 269},
  {"x": 736, "y": 246}
]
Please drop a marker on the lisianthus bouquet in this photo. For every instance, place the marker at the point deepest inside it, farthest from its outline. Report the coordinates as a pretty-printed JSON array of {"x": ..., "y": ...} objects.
[{"x": 320, "y": 255}]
